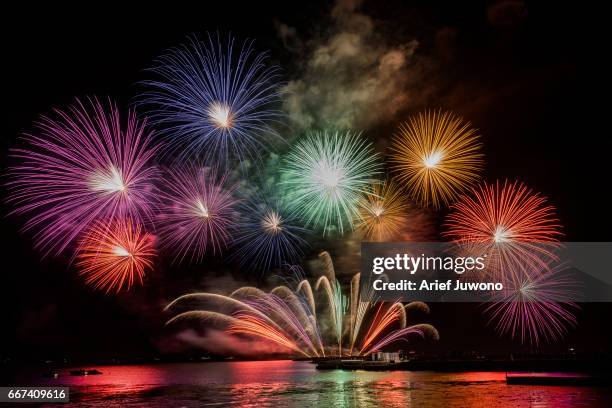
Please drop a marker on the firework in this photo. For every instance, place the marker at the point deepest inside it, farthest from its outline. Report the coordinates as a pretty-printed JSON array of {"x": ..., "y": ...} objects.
[
  {"x": 382, "y": 213},
  {"x": 269, "y": 235},
  {"x": 436, "y": 155},
  {"x": 115, "y": 255},
  {"x": 198, "y": 213},
  {"x": 535, "y": 309},
  {"x": 515, "y": 226},
  {"x": 325, "y": 175},
  {"x": 214, "y": 100},
  {"x": 81, "y": 166},
  {"x": 305, "y": 321}
]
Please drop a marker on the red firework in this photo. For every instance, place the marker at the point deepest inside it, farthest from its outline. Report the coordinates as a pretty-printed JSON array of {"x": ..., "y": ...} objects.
[
  {"x": 512, "y": 224},
  {"x": 114, "y": 255}
]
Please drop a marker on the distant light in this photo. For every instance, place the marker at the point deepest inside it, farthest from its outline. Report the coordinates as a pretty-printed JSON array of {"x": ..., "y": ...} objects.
[
  {"x": 377, "y": 209},
  {"x": 121, "y": 251},
  {"x": 220, "y": 114},
  {"x": 272, "y": 223},
  {"x": 433, "y": 159},
  {"x": 501, "y": 234},
  {"x": 202, "y": 210},
  {"x": 108, "y": 181},
  {"x": 328, "y": 175}
]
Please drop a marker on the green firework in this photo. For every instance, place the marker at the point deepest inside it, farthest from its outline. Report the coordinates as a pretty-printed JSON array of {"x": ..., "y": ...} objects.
[{"x": 324, "y": 176}]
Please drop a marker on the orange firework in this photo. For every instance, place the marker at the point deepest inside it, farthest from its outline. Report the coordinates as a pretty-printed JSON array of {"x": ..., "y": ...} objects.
[
  {"x": 511, "y": 223},
  {"x": 113, "y": 255},
  {"x": 436, "y": 155},
  {"x": 382, "y": 212}
]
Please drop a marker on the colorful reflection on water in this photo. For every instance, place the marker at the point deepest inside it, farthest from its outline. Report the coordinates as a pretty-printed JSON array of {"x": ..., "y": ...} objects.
[{"x": 289, "y": 383}]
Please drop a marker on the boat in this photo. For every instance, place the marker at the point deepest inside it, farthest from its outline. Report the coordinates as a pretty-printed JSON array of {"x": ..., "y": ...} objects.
[
  {"x": 571, "y": 379},
  {"x": 354, "y": 364},
  {"x": 83, "y": 372},
  {"x": 51, "y": 374}
]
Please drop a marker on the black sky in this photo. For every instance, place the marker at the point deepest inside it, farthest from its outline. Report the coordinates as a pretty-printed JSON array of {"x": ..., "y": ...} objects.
[{"x": 529, "y": 76}]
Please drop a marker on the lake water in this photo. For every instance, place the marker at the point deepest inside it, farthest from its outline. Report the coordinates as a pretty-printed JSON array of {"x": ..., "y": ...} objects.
[{"x": 289, "y": 383}]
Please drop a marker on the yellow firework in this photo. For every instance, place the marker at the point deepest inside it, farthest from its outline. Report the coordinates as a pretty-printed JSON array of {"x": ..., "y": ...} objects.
[
  {"x": 382, "y": 212},
  {"x": 436, "y": 155}
]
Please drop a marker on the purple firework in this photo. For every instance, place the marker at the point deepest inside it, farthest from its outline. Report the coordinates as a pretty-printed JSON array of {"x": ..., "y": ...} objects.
[
  {"x": 81, "y": 165},
  {"x": 536, "y": 308},
  {"x": 197, "y": 213},
  {"x": 213, "y": 101}
]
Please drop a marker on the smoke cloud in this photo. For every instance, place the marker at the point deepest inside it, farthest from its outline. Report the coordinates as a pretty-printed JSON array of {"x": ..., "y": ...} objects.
[
  {"x": 218, "y": 342},
  {"x": 351, "y": 76}
]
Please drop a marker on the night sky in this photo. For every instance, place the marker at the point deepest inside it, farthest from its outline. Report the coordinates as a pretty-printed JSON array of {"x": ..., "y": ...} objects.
[{"x": 528, "y": 76}]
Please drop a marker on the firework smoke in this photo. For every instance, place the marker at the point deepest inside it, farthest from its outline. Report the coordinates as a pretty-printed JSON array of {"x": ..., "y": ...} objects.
[{"x": 352, "y": 77}]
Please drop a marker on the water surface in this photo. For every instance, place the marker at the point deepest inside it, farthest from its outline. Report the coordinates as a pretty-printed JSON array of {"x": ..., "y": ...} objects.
[{"x": 289, "y": 383}]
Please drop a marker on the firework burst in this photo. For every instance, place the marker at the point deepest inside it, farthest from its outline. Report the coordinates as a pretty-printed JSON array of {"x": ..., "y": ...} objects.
[
  {"x": 270, "y": 234},
  {"x": 436, "y": 155},
  {"x": 115, "y": 255},
  {"x": 80, "y": 166},
  {"x": 382, "y": 212},
  {"x": 514, "y": 225},
  {"x": 535, "y": 309},
  {"x": 198, "y": 212},
  {"x": 307, "y": 321},
  {"x": 214, "y": 101},
  {"x": 325, "y": 175}
]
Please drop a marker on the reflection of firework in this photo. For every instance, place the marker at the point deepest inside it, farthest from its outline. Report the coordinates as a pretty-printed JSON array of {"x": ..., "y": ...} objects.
[
  {"x": 81, "y": 166},
  {"x": 436, "y": 155},
  {"x": 382, "y": 212},
  {"x": 325, "y": 175},
  {"x": 308, "y": 322},
  {"x": 535, "y": 309},
  {"x": 198, "y": 213},
  {"x": 269, "y": 235},
  {"x": 512, "y": 224},
  {"x": 213, "y": 100},
  {"x": 115, "y": 255}
]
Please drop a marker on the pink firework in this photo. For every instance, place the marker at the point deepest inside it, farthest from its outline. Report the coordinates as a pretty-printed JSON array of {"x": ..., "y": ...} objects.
[
  {"x": 536, "y": 309},
  {"x": 198, "y": 213},
  {"x": 81, "y": 165},
  {"x": 509, "y": 222}
]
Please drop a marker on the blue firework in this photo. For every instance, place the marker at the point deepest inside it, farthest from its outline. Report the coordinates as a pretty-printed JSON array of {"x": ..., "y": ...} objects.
[
  {"x": 269, "y": 236},
  {"x": 214, "y": 100}
]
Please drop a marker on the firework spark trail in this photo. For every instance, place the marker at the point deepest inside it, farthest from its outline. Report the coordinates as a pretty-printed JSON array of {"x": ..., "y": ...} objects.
[
  {"x": 436, "y": 155},
  {"x": 198, "y": 212},
  {"x": 269, "y": 236},
  {"x": 306, "y": 289},
  {"x": 514, "y": 225},
  {"x": 325, "y": 174},
  {"x": 277, "y": 310},
  {"x": 290, "y": 315},
  {"x": 81, "y": 166},
  {"x": 383, "y": 318},
  {"x": 114, "y": 255},
  {"x": 214, "y": 99},
  {"x": 242, "y": 323},
  {"x": 300, "y": 327},
  {"x": 247, "y": 324},
  {"x": 362, "y": 300},
  {"x": 284, "y": 318},
  {"x": 306, "y": 320},
  {"x": 536, "y": 309},
  {"x": 423, "y": 330},
  {"x": 382, "y": 212}
]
